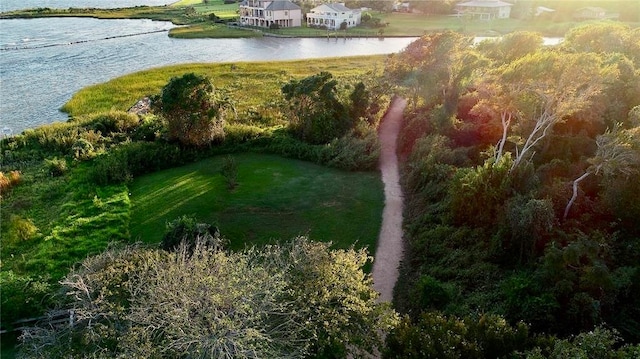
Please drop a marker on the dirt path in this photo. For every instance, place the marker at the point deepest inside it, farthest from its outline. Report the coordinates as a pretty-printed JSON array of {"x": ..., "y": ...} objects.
[{"x": 390, "y": 247}]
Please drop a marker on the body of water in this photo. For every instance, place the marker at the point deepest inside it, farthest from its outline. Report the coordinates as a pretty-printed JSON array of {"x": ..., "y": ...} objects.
[
  {"x": 43, "y": 62},
  {"x": 9, "y": 5}
]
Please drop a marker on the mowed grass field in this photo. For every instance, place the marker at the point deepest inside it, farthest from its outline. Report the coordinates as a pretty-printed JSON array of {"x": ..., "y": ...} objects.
[{"x": 275, "y": 199}]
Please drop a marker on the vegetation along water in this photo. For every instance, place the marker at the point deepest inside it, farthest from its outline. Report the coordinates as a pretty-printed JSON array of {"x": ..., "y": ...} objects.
[{"x": 236, "y": 212}]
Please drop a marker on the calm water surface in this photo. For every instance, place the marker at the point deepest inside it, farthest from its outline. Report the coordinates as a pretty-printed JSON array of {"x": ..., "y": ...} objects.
[
  {"x": 44, "y": 61},
  {"x": 8, "y": 5}
]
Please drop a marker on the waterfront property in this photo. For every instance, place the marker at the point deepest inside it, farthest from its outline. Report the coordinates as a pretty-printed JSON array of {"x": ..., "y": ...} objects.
[
  {"x": 590, "y": 13},
  {"x": 485, "y": 9},
  {"x": 332, "y": 16},
  {"x": 270, "y": 13}
]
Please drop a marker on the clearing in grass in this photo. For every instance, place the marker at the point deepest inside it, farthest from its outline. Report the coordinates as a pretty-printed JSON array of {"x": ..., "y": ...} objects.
[{"x": 274, "y": 199}]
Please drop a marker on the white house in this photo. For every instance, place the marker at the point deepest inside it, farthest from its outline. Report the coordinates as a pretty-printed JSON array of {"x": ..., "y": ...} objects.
[
  {"x": 485, "y": 9},
  {"x": 265, "y": 13},
  {"x": 590, "y": 13},
  {"x": 332, "y": 16}
]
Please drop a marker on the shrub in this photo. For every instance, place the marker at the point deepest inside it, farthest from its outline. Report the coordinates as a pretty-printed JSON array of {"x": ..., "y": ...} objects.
[
  {"x": 186, "y": 230},
  {"x": 599, "y": 343},
  {"x": 359, "y": 150},
  {"x": 239, "y": 134},
  {"x": 151, "y": 128},
  {"x": 9, "y": 180},
  {"x": 526, "y": 300},
  {"x": 58, "y": 137},
  {"x": 21, "y": 229},
  {"x": 431, "y": 293},
  {"x": 438, "y": 336},
  {"x": 21, "y": 297},
  {"x": 83, "y": 149},
  {"x": 287, "y": 146},
  {"x": 146, "y": 157},
  {"x": 478, "y": 195},
  {"x": 229, "y": 171},
  {"x": 113, "y": 121},
  {"x": 111, "y": 168},
  {"x": 121, "y": 164},
  {"x": 56, "y": 166}
]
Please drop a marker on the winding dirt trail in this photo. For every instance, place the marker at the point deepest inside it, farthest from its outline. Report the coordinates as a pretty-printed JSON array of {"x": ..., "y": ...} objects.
[{"x": 390, "y": 246}]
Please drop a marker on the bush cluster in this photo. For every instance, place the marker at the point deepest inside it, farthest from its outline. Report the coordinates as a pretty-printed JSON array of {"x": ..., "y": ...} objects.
[
  {"x": 124, "y": 162},
  {"x": 298, "y": 299},
  {"x": 492, "y": 172},
  {"x": 11, "y": 179}
]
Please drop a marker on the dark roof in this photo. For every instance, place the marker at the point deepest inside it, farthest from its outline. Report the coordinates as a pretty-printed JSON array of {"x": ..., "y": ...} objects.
[{"x": 282, "y": 5}]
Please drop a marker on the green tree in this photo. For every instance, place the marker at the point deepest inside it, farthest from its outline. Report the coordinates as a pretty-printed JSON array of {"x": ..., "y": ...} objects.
[
  {"x": 316, "y": 114},
  {"x": 193, "y": 109},
  {"x": 435, "y": 335},
  {"x": 600, "y": 343},
  {"x": 435, "y": 67},
  {"x": 360, "y": 100},
  {"x": 604, "y": 37},
  {"x": 511, "y": 46},
  {"x": 534, "y": 93},
  {"x": 618, "y": 154}
]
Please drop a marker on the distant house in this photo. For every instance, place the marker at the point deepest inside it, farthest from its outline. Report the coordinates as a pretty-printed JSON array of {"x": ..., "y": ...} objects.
[
  {"x": 590, "y": 13},
  {"x": 485, "y": 9},
  {"x": 267, "y": 13},
  {"x": 401, "y": 7},
  {"x": 332, "y": 16}
]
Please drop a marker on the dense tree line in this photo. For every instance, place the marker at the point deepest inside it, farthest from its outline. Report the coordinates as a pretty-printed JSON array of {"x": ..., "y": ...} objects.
[{"x": 520, "y": 179}]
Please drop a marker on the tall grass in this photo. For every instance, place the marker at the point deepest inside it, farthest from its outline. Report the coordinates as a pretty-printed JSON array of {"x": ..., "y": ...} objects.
[
  {"x": 211, "y": 30},
  {"x": 252, "y": 85}
]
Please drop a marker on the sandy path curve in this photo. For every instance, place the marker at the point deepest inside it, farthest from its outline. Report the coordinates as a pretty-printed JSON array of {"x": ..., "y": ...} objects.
[{"x": 390, "y": 246}]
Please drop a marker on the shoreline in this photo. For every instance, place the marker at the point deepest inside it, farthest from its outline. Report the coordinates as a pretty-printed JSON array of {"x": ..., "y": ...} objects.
[{"x": 198, "y": 24}]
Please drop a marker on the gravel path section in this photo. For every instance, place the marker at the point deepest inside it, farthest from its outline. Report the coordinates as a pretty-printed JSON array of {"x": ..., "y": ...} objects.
[{"x": 390, "y": 246}]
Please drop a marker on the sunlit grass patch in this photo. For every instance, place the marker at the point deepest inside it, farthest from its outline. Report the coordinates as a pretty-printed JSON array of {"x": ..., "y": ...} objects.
[
  {"x": 275, "y": 199},
  {"x": 84, "y": 225}
]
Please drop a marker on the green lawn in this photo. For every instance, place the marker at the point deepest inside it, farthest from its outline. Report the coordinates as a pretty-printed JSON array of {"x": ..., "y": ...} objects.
[{"x": 275, "y": 199}]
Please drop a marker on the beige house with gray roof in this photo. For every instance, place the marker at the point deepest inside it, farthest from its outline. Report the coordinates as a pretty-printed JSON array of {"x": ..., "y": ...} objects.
[
  {"x": 266, "y": 13},
  {"x": 485, "y": 9}
]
